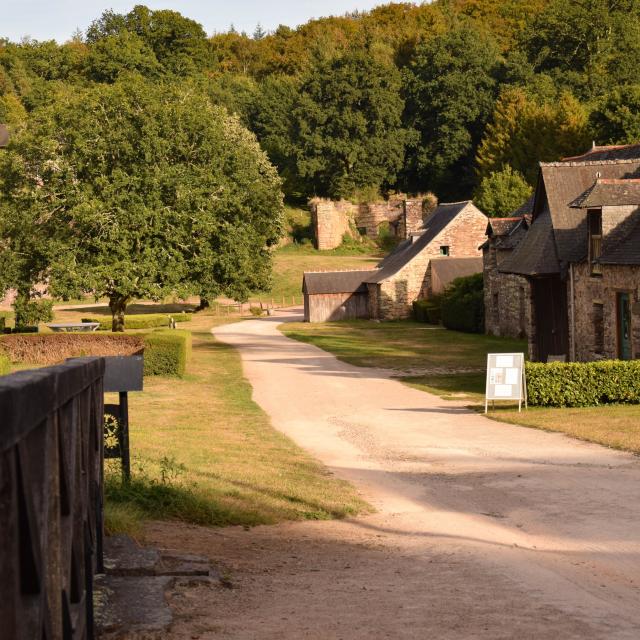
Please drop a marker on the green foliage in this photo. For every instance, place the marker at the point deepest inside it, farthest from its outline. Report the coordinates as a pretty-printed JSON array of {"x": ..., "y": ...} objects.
[
  {"x": 462, "y": 304},
  {"x": 451, "y": 88},
  {"x": 5, "y": 364},
  {"x": 501, "y": 192},
  {"x": 142, "y": 320},
  {"x": 429, "y": 311},
  {"x": 583, "y": 384},
  {"x": 348, "y": 125},
  {"x": 166, "y": 352},
  {"x": 616, "y": 118},
  {"x": 30, "y": 312}
]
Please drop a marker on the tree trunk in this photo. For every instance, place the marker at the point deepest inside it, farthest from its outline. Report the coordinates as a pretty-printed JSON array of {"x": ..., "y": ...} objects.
[
  {"x": 118, "y": 305},
  {"x": 204, "y": 304}
]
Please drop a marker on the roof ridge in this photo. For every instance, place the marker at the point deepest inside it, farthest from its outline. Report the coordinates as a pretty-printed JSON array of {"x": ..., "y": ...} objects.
[
  {"x": 601, "y": 148},
  {"x": 588, "y": 163},
  {"x": 618, "y": 180}
]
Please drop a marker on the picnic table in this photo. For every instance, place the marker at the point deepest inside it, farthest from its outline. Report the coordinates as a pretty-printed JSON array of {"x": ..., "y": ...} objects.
[{"x": 74, "y": 326}]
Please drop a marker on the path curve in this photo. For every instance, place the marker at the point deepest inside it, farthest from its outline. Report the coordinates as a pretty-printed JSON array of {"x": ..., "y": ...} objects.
[{"x": 538, "y": 526}]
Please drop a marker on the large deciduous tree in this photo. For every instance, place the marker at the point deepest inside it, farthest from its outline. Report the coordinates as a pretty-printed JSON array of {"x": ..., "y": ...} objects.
[
  {"x": 138, "y": 190},
  {"x": 348, "y": 132}
]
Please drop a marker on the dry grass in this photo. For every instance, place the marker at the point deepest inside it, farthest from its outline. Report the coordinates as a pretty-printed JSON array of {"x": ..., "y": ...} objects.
[{"x": 205, "y": 452}]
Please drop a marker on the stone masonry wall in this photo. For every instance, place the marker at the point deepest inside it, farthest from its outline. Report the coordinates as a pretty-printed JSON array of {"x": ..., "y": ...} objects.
[
  {"x": 463, "y": 236},
  {"x": 507, "y": 298},
  {"x": 589, "y": 291},
  {"x": 331, "y": 220}
]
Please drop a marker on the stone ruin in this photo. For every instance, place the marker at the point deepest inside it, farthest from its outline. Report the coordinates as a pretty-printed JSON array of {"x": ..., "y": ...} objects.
[{"x": 332, "y": 219}]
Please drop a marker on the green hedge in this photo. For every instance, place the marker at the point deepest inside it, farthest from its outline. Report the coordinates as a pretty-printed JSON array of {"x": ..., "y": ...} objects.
[
  {"x": 427, "y": 311},
  {"x": 462, "y": 305},
  {"x": 583, "y": 384},
  {"x": 166, "y": 352},
  {"x": 141, "y": 320},
  {"x": 5, "y": 364}
]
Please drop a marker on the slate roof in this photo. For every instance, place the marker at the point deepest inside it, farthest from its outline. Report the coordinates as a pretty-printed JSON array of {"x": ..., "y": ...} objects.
[
  {"x": 606, "y": 153},
  {"x": 318, "y": 282},
  {"x": 497, "y": 227},
  {"x": 446, "y": 269},
  {"x": 515, "y": 236},
  {"x": 627, "y": 251},
  {"x": 4, "y": 135},
  {"x": 609, "y": 192},
  {"x": 526, "y": 208},
  {"x": 410, "y": 248}
]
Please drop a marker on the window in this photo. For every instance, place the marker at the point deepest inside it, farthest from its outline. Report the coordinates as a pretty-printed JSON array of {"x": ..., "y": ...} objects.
[
  {"x": 594, "y": 222},
  {"x": 598, "y": 328},
  {"x": 444, "y": 251}
]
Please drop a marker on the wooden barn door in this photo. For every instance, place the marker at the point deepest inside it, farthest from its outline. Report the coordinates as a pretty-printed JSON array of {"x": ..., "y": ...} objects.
[{"x": 550, "y": 308}]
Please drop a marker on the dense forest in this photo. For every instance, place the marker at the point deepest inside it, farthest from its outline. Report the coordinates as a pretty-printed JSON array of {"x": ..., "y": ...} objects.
[{"x": 459, "y": 97}]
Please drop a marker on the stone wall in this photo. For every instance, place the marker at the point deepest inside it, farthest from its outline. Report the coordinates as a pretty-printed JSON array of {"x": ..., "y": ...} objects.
[
  {"x": 463, "y": 236},
  {"x": 507, "y": 298},
  {"x": 333, "y": 218},
  {"x": 590, "y": 291}
]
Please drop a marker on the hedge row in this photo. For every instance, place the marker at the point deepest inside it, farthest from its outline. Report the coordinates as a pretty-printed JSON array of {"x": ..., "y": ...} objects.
[
  {"x": 141, "y": 320},
  {"x": 427, "y": 311},
  {"x": 583, "y": 384},
  {"x": 166, "y": 352}
]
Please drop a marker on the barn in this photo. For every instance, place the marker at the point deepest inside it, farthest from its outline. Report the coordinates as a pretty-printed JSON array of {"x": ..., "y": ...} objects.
[{"x": 335, "y": 295}]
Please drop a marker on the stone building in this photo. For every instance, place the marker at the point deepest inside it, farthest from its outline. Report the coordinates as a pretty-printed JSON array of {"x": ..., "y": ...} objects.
[
  {"x": 332, "y": 219},
  {"x": 581, "y": 257},
  {"x": 507, "y": 297},
  {"x": 453, "y": 230}
]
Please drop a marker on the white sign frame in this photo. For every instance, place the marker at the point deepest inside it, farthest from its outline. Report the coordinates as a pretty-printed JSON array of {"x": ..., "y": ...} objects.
[{"x": 506, "y": 379}]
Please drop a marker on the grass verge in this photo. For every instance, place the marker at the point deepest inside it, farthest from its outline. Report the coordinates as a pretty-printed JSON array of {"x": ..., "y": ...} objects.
[{"x": 205, "y": 453}]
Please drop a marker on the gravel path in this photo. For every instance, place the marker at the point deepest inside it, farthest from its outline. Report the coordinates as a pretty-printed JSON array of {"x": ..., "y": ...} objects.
[{"x": 483, "y": 530}]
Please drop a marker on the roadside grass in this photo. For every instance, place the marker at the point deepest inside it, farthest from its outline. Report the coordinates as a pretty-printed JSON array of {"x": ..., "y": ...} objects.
[
  {"x": 452, "y": 365},
  {"x": 205, "y": 453}
]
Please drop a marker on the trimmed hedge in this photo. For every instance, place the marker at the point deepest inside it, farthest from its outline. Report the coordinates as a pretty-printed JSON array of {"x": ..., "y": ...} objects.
[
  {"x": 427, "y": 311},
  {"x": 5, "y": 364},
  {"x": 141, "y": 320},
  {"x": 51, "y": 348},
  {"x": 166, "y": 352},
  {"x": 462, "y": 304},
  {"x": 583, "y": 384}
]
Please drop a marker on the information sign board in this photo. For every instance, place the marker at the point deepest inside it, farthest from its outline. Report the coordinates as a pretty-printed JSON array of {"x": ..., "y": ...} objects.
[{"x": 506, "y": 378}]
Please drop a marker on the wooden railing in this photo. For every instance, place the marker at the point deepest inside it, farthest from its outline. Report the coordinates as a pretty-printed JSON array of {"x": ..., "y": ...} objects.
[{"x": 51, "y": 475}]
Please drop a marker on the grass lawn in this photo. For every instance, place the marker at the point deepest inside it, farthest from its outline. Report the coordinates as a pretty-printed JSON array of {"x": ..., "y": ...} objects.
[
  {"x": 452, "y": 365},
  {"x": 204, "y": 452}
]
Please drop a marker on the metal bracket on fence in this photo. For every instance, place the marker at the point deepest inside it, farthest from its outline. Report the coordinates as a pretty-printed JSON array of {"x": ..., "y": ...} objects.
[{"x": 121, "y": 374}]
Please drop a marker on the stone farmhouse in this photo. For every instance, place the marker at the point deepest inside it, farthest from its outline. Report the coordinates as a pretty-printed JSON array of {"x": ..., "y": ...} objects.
[
  {"x": 444, "y": 248},
  {"x": 506, "y": 295},
  {"x": 579, "y": 261},
  {"x": 333, "y": 219}
]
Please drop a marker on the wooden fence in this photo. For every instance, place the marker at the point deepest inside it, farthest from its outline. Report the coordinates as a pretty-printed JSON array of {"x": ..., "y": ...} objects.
[{"x": 51, "y": 452}]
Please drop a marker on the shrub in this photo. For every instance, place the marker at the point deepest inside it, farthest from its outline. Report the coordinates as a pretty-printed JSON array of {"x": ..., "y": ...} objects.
[
  {"x": 462, "y": 304},
  {"x": 142, "y": 320},
  {"x": 31, "y": 312},
  {"x": 583, "y": 384},
  {"x": 57, "y": 347},
  {"x": 166, "y": 352},
  {"x": 5, "y": 364},
  {"x": 427, "y": 310}
]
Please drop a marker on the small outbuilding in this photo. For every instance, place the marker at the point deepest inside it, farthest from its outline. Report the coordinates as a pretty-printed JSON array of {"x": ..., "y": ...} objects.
[
  {"x": 443, "y": 271},
  {"x": 335, "y": 295}
]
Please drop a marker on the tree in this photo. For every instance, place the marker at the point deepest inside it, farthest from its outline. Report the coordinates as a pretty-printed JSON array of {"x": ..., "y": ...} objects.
[
  {"x": 616, "y": 119},
  {"x": 502, "y": 192},
  {"x": 348, "y": 131},
  {"x": 524, "y": 132},
  {"x": 138, "y": 190},
  {"x": 451, "y": 89}
]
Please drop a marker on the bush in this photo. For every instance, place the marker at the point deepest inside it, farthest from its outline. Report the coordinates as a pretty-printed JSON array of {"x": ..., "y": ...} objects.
[
  {"x": 166, "y": 352},
  {"x": 427, "y": 310},
  {"x": 583, "y": 384},
  {"x": 141, "y": 320},
  {"x": 52, "y": 348},
  {"x": 30, "y": 312},
  {"x": 462, "y": 304},
  {"x": 5, "y": 364}
]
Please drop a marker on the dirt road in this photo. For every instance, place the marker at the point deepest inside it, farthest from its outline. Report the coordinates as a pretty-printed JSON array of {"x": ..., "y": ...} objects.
[{"x": 483, "y": 530}]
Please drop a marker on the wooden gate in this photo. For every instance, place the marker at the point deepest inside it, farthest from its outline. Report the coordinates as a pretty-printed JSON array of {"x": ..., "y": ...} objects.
[{"x": 51, "y": 454}]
